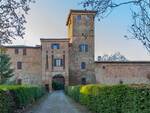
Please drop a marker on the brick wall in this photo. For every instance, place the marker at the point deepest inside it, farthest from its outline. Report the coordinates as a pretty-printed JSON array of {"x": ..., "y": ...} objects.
[
  {"x": 122, "y": 72},
  {"x": 31, "y": 64}
]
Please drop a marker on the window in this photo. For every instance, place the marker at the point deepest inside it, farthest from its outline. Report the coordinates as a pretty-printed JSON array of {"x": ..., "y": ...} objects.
[
  {"x": 16, "y": 50},
  {"x": 19, "y": 65},
  {"x": 87, "y": 19},
  {"x": 83, "y": 48},
  {"x": 55, "y": 46},
  {"x": 83, "y": 65},
  {"x": 58, "y": 62},
  {"x": 47, "y": 60},
  {"x": 24, "y": 51},
  {"x": 78, "y": 19}
]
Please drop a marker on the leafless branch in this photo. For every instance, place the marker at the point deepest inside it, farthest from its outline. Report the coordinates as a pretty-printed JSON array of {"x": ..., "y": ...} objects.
[
  {"x": 12, "y": 19},
  {"x": 140, "y": 29}
]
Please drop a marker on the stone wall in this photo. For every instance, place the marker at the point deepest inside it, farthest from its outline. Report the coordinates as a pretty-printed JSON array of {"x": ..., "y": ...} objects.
[
  {"x": 122, "y": 72},
  {"x": 31, "y": 64}
]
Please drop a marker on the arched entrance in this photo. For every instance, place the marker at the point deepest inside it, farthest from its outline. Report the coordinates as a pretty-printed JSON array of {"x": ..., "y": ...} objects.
[{"x": 58, "y": 82}]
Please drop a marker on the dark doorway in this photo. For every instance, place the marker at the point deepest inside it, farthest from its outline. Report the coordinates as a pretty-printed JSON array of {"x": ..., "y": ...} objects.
[
  {"x": 47, "y": 87},
  {"x": 58, "y": 82},
  {"x": 19, "y": 81},
  {"x": 83, "y": 81}
]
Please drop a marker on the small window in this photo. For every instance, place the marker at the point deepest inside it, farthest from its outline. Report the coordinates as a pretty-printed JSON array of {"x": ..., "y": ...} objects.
[
  {"x": 58, "y": 62},
  {"x": 83, "y": 65},
  {"x": 83, "y": 48},
  {"x": 78, "y": 19},
  {"x": 55, "y": 46},
  {"x": 47, "y": 66},
  {"x": 87, "y": 18},
  {"x": 121, "y": 82},
  {"x": 19, "y": 65},
  {"x": 24, "y": 51},
  {"x": 16, "y": 50}
]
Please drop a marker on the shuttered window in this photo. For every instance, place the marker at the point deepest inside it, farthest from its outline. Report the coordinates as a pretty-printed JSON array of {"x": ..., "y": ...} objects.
[
  {"x": 24, "y": 51},
  {"x": 58, "y": 62},
  {"x": 19, "y": 65},
  {"x": 83, "y": 48},
  {"x": 16, "y": 50}
]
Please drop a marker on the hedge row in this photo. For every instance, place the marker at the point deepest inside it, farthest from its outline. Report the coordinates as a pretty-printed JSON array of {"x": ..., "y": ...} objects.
[
  {"x": 18, "y": 97},
  {"x": 112, "y": 99}
]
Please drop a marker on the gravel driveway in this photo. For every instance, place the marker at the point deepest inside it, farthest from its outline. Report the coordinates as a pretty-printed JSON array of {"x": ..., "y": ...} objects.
[{"x": 58, "y": 102}]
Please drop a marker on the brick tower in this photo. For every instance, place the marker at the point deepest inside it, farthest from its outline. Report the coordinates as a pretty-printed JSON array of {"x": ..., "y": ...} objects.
[{"x": 80, "y": 25}]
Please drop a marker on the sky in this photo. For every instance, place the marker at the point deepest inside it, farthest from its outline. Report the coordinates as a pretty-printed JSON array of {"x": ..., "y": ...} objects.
[{"x": 47, "y": 19}]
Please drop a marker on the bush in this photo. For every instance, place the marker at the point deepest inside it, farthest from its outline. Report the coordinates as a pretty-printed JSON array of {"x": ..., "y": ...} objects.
[
  {"x": 16, "y": 97},
  {"x": 112, "y": 99},
  {"x": 73, "y": 91}
]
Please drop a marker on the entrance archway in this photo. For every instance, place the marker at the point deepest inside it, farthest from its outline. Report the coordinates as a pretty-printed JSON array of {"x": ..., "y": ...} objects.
[{"x": 58, "y": 82}]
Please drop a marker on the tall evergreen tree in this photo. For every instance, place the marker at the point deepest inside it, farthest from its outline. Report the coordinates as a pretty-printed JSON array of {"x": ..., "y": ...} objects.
[{"x": 5, "y": 68}]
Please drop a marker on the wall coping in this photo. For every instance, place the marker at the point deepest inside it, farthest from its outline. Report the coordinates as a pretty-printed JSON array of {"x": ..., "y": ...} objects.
[{"x": 123, "y": 62}]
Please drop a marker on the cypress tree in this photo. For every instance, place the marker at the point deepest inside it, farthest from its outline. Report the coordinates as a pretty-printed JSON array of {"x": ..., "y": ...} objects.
[{"x": 5, "y": 68}]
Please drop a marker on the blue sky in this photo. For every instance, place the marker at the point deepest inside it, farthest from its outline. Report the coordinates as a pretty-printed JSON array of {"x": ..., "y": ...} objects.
[{"x": 47, "y": 19}]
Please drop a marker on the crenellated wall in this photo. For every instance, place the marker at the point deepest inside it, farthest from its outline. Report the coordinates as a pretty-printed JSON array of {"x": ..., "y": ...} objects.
[{"x": 122, "y": 72}]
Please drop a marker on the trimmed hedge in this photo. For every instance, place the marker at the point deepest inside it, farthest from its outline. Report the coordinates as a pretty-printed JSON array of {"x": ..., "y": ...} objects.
[
  {"x": 18, "y": 97},
  {"x": 112, "y": 99}
]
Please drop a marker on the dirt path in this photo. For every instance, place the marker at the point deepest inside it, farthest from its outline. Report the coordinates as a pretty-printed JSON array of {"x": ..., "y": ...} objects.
[{"x": 58, "y": 102}]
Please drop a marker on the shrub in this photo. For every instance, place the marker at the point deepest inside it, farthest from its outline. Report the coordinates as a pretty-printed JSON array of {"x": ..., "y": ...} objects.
[
  {"x": 16, "y": 97},
  {"x": 6, "y": 102},
  {"x": 73, "y": 91},
  {"x": 113, "y": 99}
]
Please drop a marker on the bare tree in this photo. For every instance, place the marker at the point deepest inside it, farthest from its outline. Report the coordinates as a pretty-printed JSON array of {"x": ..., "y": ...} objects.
[
  {"x": 113, "y": 57},
  {"x": 140, "y": 29},
  {"x": 12, "y": 19}
]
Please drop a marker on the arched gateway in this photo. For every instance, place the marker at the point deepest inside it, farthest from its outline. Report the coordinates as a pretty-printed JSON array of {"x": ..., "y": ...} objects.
[{"x": 58, "y": 82}]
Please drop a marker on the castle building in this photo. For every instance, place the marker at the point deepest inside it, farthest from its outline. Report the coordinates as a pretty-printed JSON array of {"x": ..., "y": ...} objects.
[{"x": 71, "y": 60}]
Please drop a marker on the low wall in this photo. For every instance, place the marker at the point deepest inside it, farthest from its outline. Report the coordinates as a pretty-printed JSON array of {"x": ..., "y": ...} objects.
[{"x": 122, "y": 72}]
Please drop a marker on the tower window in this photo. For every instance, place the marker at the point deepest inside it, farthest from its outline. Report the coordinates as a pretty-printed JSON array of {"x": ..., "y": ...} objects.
[
  {"x": 83, "y": 48},
  {"x": 58, "y": 62},
  {"x": 16, "y": 50},
  {"x": 83, "y": 65},
  {"x": 46, "y": 59},
  {"x": 87, "y": 18},
  {"x": 78, "y": 19},
  {"x": 19, "y": 65},
  {"x": 55, "y": 46}
]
